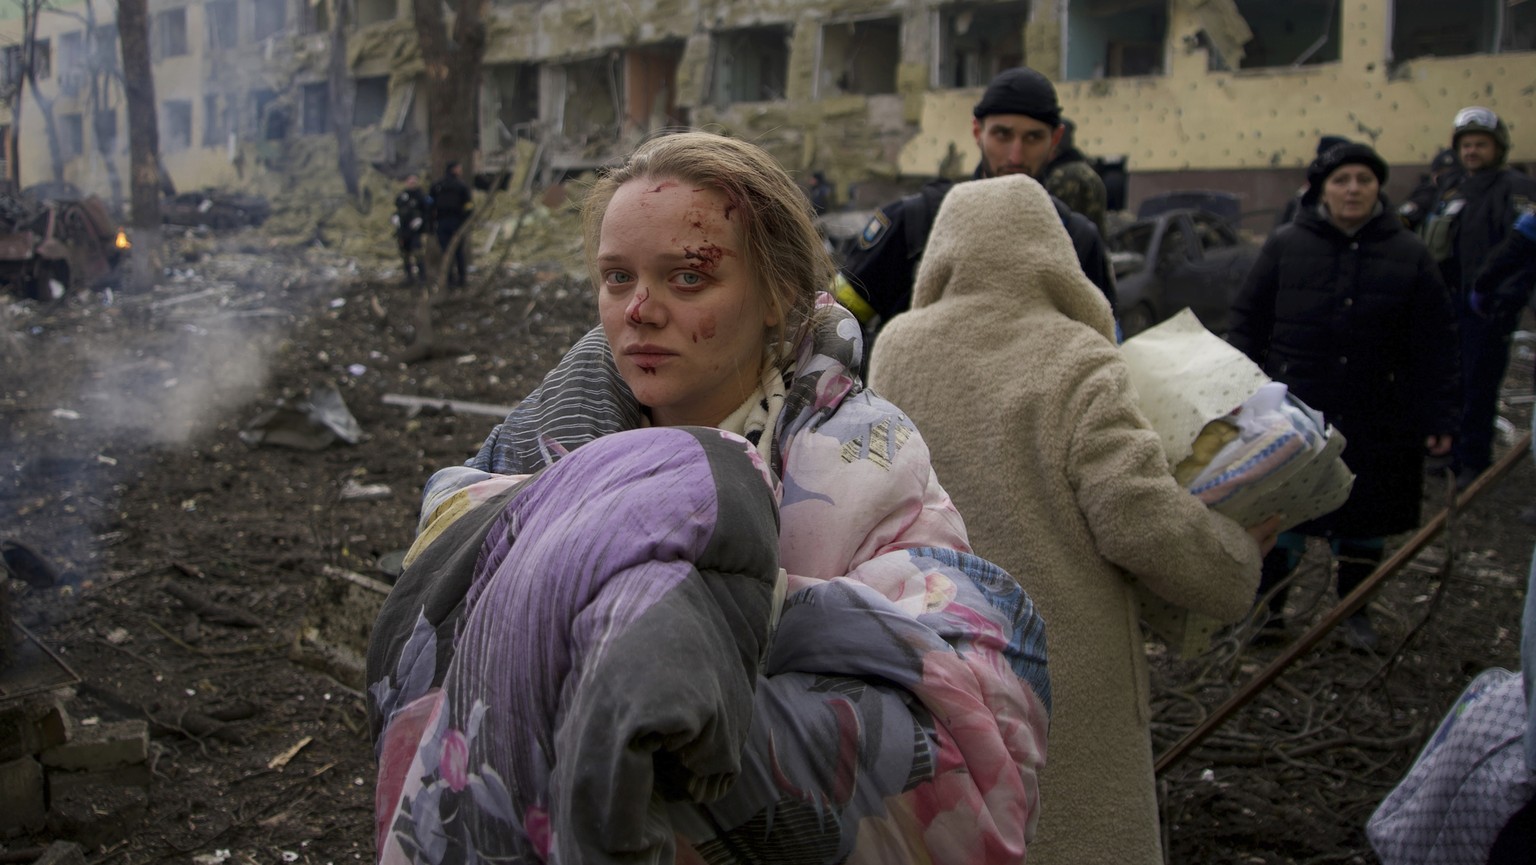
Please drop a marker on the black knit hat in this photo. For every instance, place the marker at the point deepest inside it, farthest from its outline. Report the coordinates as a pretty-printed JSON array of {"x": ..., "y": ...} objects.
[
  {"x": 1020, "y": 91},
  {"x": 1328, "y": 142},
  {"x": 1335, "y": 158}
]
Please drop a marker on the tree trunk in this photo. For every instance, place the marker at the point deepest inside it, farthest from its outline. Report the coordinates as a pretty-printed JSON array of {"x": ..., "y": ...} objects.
[
  {"x": 453, "y": 79},
  {"x": 143, "y": 140},
  {"x": 50, "y": 129},
  {"x": 343, "y": 97},
  {"x": 30, "y": 13}
]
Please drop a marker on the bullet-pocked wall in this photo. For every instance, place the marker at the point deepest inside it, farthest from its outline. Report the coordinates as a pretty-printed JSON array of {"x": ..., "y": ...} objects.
[
  {"x": 1392, "y": 73},
  {"x": 1230, "y": 94}
]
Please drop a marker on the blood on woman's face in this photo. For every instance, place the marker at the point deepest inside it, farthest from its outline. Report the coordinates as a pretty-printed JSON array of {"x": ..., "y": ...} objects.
[{"x": 686, "y": 322}]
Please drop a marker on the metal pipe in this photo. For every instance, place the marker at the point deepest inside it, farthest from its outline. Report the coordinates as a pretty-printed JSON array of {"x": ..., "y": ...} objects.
[{"x": 1347, "y": 606}]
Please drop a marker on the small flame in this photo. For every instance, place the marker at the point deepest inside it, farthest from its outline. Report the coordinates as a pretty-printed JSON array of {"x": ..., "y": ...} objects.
[{"x": 122, "y": 239}]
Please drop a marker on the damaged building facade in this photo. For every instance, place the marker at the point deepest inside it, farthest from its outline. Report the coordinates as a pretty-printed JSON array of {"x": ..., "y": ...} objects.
[{"x": 1224, "y": 94}]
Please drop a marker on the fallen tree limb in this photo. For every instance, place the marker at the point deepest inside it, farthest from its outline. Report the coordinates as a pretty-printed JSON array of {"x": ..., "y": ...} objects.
[{"x": 207, "y": 610}]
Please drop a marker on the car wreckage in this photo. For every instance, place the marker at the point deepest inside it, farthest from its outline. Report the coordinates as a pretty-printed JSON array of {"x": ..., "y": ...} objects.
[
  {"x": 54, "y": 239},
  {"x": 1181, "y": 251}
]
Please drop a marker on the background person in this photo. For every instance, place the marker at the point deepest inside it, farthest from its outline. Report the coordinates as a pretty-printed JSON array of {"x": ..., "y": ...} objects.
[
  {"x": 1348, "y": 310},
  {"x": 413, "y": 207},
  {"x": 1017, "y": 125},
  {"x": 1008, "y": 360},
  {"x": 1477, "y": 211},
  {"x": 616, "y": 639},
  {"x": 1425, "y": 197},
  {"x": 452, "y": 201}
]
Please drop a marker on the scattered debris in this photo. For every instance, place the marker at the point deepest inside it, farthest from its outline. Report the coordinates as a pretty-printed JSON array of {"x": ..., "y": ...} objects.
[
  {"x": 352, "y": 491},
  {"x": 215, "y": 209},
  {"x": 64, "y": 239},
  {"x": 419, "y": 404},
  {"x": 287, "y": 756},
  {"x": 218, "y": 614},
  {"x": 310, "y": 425},
  {"x": 25, "y": 564}
]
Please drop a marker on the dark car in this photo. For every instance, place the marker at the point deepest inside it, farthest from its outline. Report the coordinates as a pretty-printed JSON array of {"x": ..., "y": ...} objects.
[{"x": 1179, "y": 258}]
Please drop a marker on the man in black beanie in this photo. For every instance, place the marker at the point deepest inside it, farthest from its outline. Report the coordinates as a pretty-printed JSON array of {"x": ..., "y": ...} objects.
[{"x": 1017, "y": 125}]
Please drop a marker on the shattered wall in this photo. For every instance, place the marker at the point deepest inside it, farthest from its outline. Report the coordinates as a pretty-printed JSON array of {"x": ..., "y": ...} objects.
[{"x": 876, "y": 93}]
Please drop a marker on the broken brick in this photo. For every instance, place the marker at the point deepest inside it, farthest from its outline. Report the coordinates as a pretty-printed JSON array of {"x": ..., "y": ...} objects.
[
  {"x": 62, "y": 853},
  {"x": 104, "y": 746},
  {"x": 31, "y": 727}
]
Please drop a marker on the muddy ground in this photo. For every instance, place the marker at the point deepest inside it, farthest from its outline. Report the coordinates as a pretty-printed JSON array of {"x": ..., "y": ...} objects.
[{"x": 190, "y": 563}]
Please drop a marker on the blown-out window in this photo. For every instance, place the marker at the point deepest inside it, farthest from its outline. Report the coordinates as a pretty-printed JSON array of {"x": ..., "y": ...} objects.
[
  {"x": 859, "y": 57},
  {"x": 750, "y": 65},
  {"x": 1115, "y": 38},
  {"x": 975, "y": 42},
  {"x": 1431, "y": 28}
]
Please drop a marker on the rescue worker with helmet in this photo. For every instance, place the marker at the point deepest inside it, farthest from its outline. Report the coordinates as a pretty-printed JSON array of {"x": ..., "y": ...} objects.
[{"x": 1477, "y": 210}]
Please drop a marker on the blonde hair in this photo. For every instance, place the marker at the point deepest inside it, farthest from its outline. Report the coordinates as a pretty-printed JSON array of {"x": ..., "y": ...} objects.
[{"x": 781, "y": 247}]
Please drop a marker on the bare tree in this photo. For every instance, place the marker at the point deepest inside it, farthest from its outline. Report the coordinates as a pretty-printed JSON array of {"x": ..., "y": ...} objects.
[
  {"x": 22, "y": 69},
  {"x": 343, "y": 96},
  {"x": 143, "y": 139},
  {"x": 453, "y": 65}
]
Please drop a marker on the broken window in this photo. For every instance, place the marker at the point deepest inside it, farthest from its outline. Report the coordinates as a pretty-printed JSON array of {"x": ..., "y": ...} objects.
[
  {"x": 271, "y": 118},
  {"x": 104, "y": 46},
  {"x": 1428, "y": 28},
  {"x": 270, "y": 17},
  {"x": 71, "y": 135},
  {"x": 72, "y": 66},
  {"x": 512, "y": 101},
  {"x": 42, "y": 59},
  {"x": 223, "y": 27},
  {"x": 375, "y": 11},
  {"x": 71, "y": 50},
  {"x": 592, "y": 99},
  {"x": 977, "y": 42},
  {"x": 317, "y": 109},
  {"x": 1115, "y": 38},
  {"x": 859, "y": 57},
  {"x": 650, "y": 88},
  {"x": 216, "y": 120},
  {"x": 317, "y": 16},
  {"x": 176, "y": 117},
  {"x": 104, "y": 127},
  {"x": 1285, "y": 33},
  {"x": 169, "y": 32},
  {"x": 370, "y": 98},
  {"x": 12, "y": 69},
  {"x": 751, "y": 65}
]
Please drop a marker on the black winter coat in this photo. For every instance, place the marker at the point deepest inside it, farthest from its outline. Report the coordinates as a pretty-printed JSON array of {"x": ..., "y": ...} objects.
[{"x": 1360, "y": 328}]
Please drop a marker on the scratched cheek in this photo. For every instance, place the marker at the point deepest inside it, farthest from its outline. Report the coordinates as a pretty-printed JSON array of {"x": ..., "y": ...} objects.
[{"x": 707, "y": 327}]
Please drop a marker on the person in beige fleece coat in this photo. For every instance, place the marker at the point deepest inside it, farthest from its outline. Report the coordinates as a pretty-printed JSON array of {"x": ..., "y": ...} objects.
[{"x": 1007, "y": 362}]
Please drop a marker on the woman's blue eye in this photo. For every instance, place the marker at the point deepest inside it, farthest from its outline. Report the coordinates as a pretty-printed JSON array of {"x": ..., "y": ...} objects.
[
  {"x": 618, "y": 278},
  {"x": 688, "y": 277}
]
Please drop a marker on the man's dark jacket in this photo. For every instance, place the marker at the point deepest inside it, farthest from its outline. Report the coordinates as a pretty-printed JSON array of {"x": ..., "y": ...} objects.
[
  {"x": 882, "y": 262},
  {"x": 450, "y": 203}
]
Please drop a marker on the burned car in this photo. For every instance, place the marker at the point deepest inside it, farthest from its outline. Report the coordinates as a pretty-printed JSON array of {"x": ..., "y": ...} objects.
[
  {"x": 1173, "y": 257},
  {"x": 56, "y": 240},
  {"x": 214, "y": 209}
]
